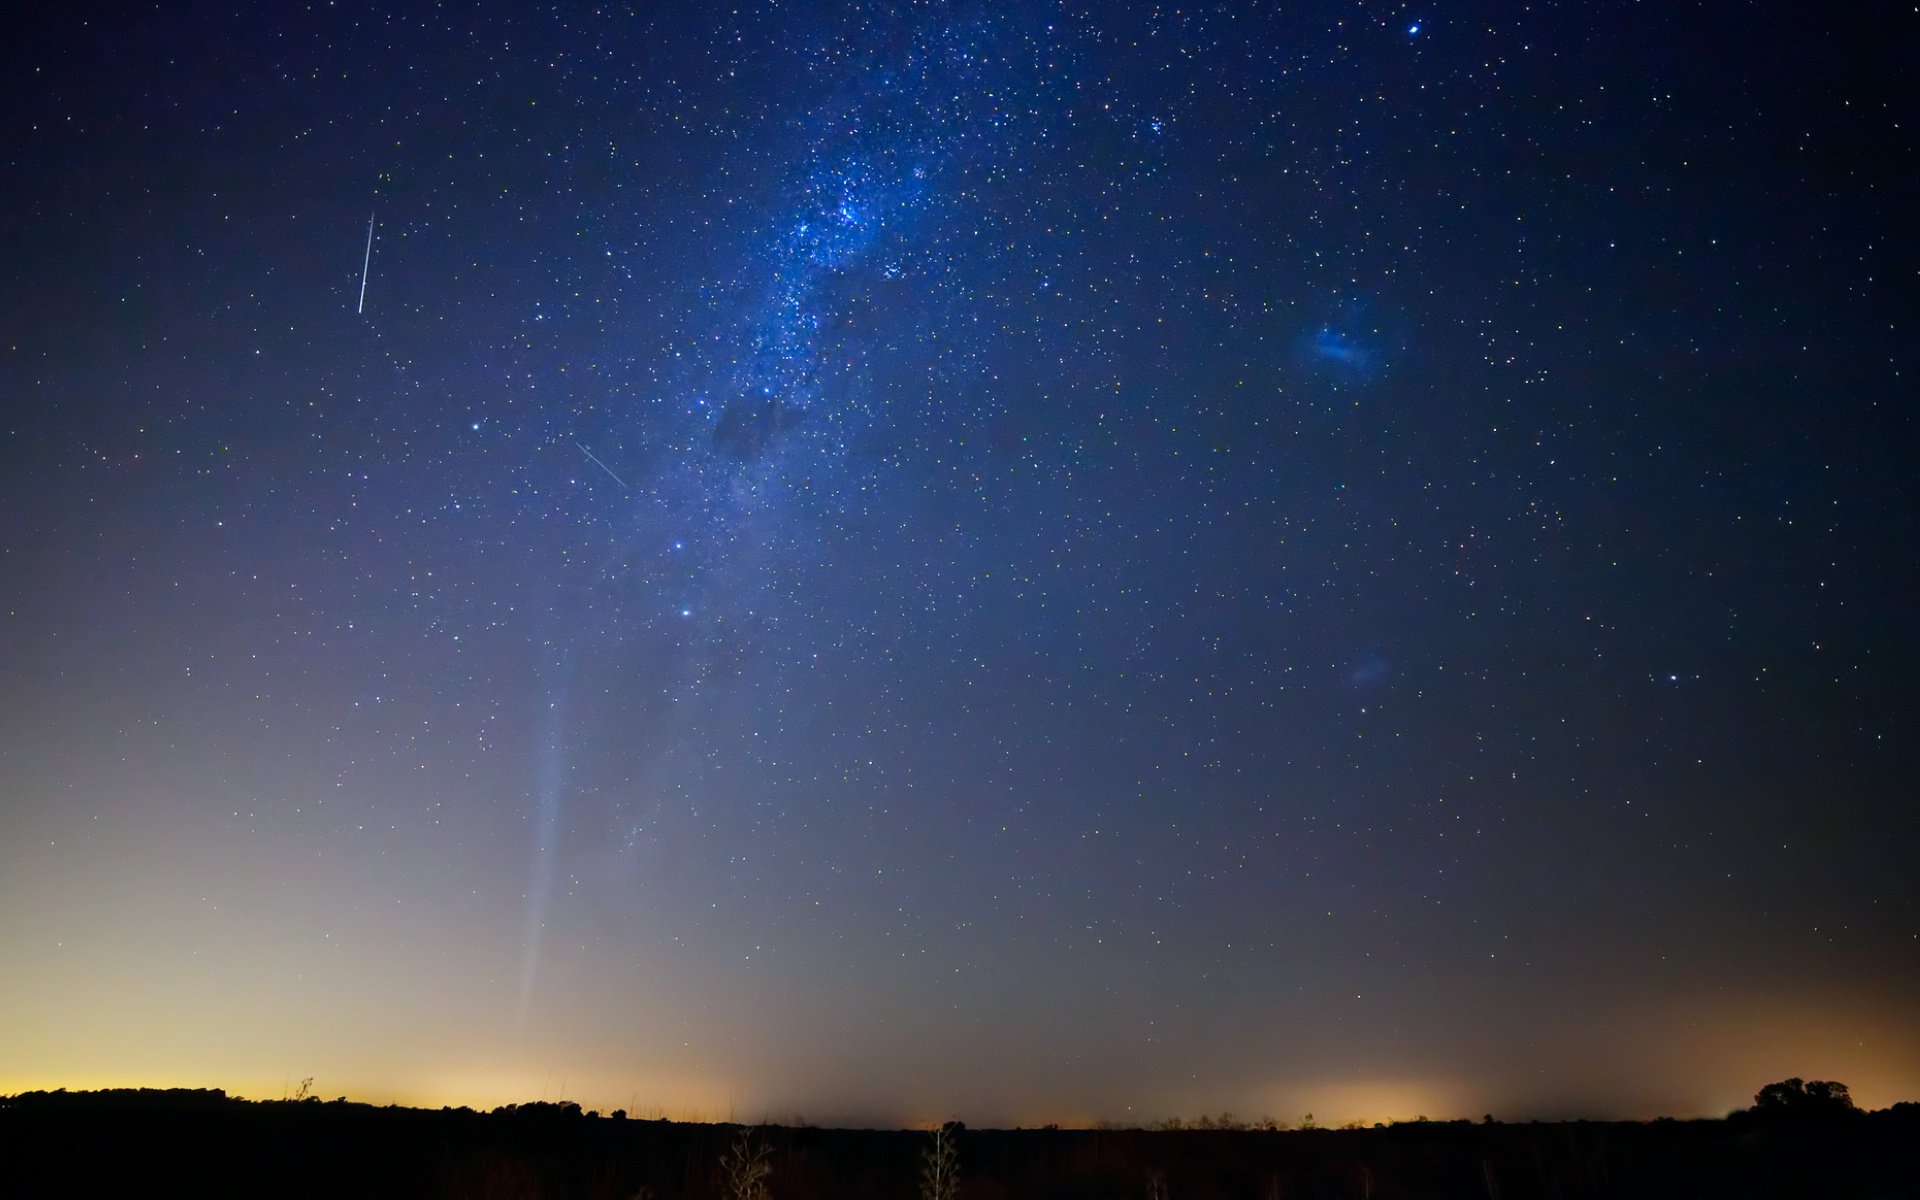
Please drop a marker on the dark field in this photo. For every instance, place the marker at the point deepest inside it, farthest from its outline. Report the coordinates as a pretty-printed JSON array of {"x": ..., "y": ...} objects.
[{"x": 205, "y": 1144}]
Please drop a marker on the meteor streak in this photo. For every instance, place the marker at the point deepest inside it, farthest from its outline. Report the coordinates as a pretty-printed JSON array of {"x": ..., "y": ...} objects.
[
  {"x": 601, "y": 465},
  {"x": 364, "y": 264}
]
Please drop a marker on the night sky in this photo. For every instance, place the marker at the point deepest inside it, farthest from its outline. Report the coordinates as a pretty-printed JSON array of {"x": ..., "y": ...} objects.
[{"x": 1020, "y": 562}]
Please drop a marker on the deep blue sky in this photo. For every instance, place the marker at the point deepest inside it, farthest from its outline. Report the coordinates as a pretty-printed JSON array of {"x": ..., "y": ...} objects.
[{"x": 1022, "y": 562}]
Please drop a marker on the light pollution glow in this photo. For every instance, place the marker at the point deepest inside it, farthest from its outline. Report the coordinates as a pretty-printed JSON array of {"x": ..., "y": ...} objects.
[{"x": 1698, "y": 1063}]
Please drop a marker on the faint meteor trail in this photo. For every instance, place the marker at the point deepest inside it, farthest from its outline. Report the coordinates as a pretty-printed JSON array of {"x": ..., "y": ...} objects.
[
  {"x": 601, "y": 465},
  {"x": 364, "y": 264},
  {"x": 549, "y": 788}
]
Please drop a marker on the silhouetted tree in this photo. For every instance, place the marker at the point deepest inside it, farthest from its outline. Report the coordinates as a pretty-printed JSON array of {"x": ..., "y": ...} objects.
[
  {"x": 746, "y": 1167},
  {"x": 940, "y": 1164},
  {"x": 1796, "y": 1097},
  {"x": 1829, "y": 1094}
]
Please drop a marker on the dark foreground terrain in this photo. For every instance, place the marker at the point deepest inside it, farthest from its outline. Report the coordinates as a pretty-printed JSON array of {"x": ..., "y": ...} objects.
[{"x": 201, "y": 1143}]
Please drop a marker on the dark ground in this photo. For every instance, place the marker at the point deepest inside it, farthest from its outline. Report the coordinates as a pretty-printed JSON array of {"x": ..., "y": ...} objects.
[{"x": 201, "y": 1143}]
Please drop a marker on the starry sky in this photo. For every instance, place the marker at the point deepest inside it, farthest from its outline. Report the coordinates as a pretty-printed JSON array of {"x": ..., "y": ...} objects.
[{"x": 1021, "y": 562}]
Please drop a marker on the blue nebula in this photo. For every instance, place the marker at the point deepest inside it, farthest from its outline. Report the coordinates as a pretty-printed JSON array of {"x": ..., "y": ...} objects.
[
  {"x": 1341, "y": 348},
  {"x": 1349, "y": 346},
  {"x": 1343, "y": 353},
  {"x": 1368, "y": 672}
]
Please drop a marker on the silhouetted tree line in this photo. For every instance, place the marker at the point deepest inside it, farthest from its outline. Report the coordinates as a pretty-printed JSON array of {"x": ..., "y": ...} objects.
[
  {"x": 108, "y": 1098},
  {"x": 1799, "y": 1139}
]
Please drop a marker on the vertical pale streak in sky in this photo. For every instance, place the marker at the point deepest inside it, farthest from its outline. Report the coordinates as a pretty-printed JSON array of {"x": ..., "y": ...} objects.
[
  {"x": 365, "y": 263},
  {"x": 546, "y": 821}
]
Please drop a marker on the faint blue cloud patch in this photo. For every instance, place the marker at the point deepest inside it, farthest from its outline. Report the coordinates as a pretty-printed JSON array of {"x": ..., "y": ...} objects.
[
  {"x": 1367, "y": 673},
  {"x": 1350, "y": 346},
  {"x": 1343, "y": 350}
]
